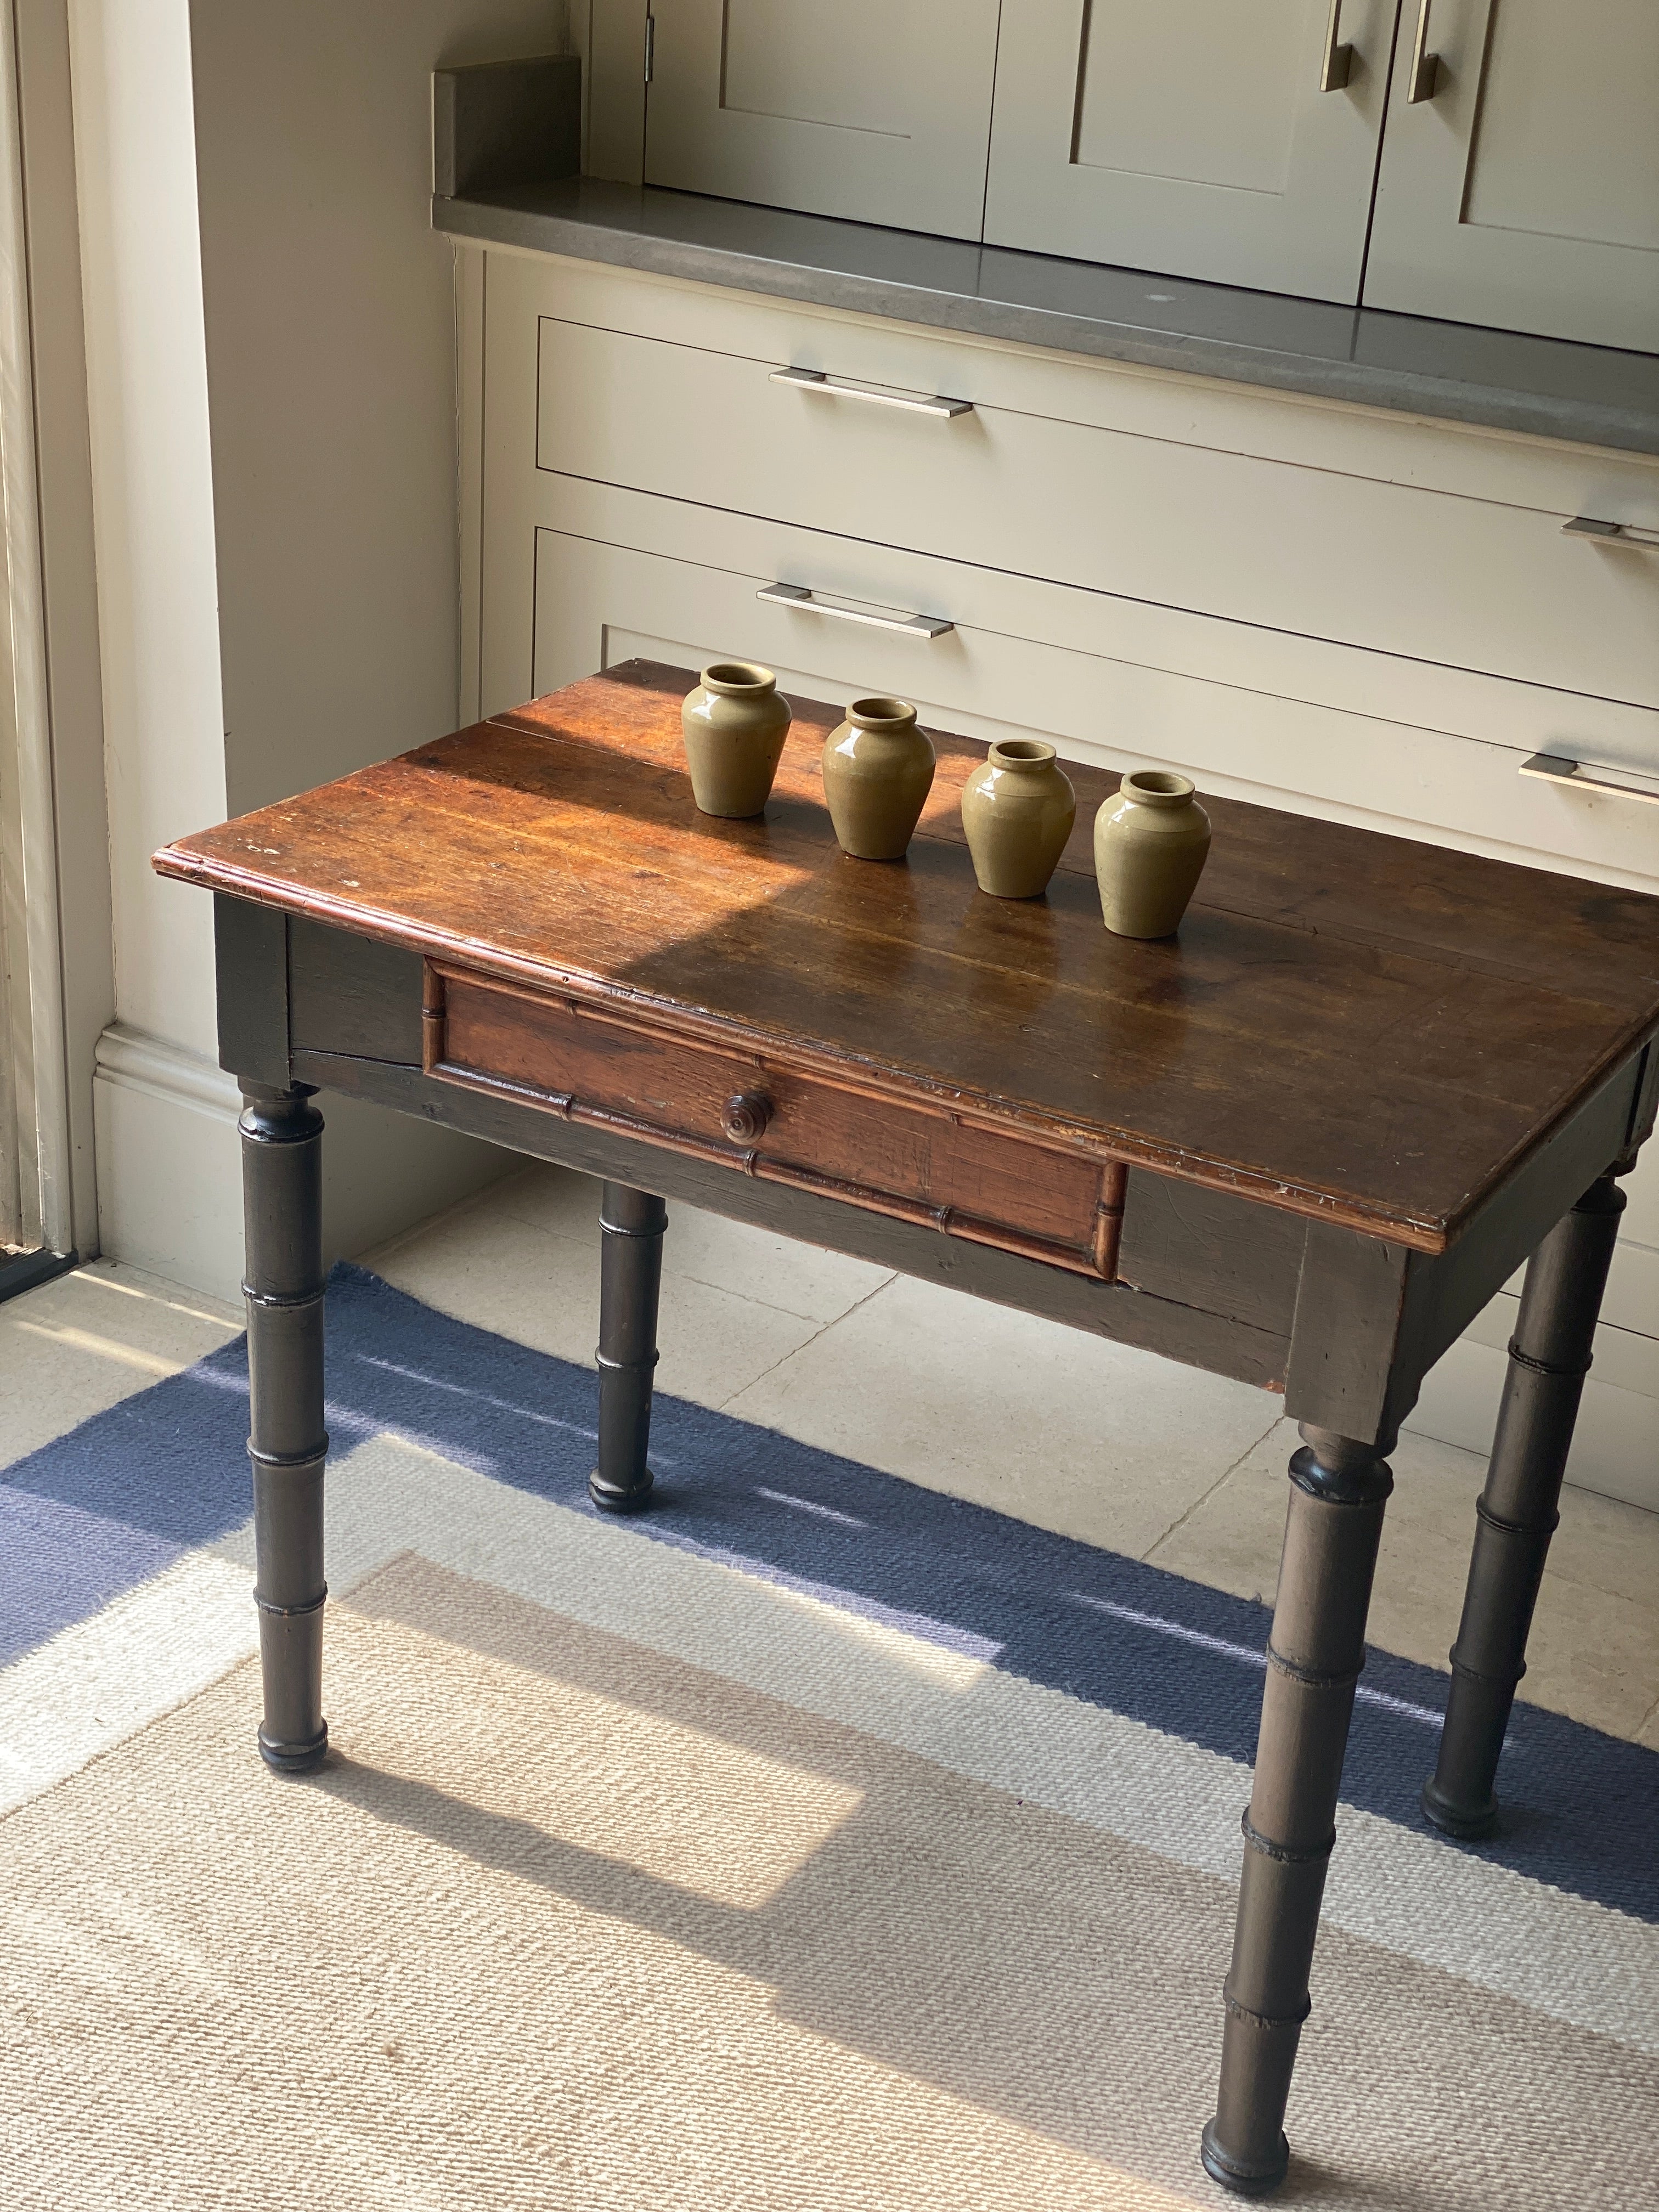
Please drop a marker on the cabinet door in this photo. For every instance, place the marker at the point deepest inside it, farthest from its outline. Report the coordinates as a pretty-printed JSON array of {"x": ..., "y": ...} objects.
[
  {"x": 1520, "y": 177},
  {"x": 1197, "y": 138},
  {"x": 875, "y": 110}
]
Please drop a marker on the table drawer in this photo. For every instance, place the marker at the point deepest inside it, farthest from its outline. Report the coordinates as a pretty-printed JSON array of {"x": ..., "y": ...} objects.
[
  {"x": 1465, "y": 583},
  {"x": 760, "y": 1116}
]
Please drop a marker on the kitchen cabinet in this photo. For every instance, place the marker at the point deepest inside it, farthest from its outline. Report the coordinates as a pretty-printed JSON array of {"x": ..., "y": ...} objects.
[
  {"x": 1481, "y": 161},
  {"x": 879, "y": 111},
  {"x": 1201, "y": 138},
  {"x": 1520, "y": 177}
]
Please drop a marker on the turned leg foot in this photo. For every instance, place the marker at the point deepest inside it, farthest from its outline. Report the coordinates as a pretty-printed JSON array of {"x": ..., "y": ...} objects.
[
  {"x": 281, "y": 1188},
  {"x": 1516, "y": 1516},
  {"x": 1338, "y": 1491},
  {"x": 632, "y": 1222}
]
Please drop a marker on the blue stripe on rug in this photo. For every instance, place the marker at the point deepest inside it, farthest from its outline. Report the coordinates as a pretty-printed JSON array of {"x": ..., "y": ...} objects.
[{"x": 117, "y": 1500}]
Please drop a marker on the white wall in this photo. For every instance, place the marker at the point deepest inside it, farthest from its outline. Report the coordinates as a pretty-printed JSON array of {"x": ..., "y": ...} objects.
[
  {"x": 271, "y": 399},
  {"x": 330, "y": 345},
  {"x": 158, "y": 629},
  {"x": 153, "y": 493}
]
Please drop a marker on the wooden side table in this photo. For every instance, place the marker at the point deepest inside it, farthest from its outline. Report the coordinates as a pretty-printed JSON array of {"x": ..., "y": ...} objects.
[{"x": 1302, "y": 1142}]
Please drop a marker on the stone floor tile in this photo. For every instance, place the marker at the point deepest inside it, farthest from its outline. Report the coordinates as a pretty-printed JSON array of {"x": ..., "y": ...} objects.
[
  {"x": 542, "y": 1289},
  {"x": 706, "y": 1248},
  {"x": 1058, "y": 1428},
  {"x": 1594, "y": 1648},
  {"x": 78, "y": 1344},
  {"x": 1607, "y": 1545}
]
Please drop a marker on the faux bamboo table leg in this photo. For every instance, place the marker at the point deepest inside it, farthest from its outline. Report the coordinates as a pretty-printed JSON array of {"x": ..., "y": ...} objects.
[
  {"x": 1517, "y": 1515},
  {"x": 630, "y": 1276},
  {"x": 282, "y": 1193},
  {"x": 1316, "y": 1649}
]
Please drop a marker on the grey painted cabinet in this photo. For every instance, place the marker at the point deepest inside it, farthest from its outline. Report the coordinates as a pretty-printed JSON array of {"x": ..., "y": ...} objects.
[
  {"x": 1201, "y": 137},
  {"x": 1520, "y": 177},
  {"x": 875, "y": 110},
  {"x": 1488, "y": 161}
]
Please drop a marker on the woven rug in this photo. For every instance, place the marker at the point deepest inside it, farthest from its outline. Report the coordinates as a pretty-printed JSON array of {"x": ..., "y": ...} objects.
[{"x": 813, "y": 1841}]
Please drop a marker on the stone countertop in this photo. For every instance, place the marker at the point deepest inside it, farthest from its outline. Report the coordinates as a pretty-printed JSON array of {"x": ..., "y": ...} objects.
[{"x": 1454, "y": 372}]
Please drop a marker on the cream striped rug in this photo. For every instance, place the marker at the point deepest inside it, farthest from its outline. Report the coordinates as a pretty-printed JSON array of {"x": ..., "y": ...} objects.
[{"x": 814, "y": 1842}]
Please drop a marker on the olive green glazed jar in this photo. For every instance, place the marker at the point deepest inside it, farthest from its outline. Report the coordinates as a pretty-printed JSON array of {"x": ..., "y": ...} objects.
[
  {"x": 1150, "y": 844},
  {"x": 1017, "y": 811},
  {"x": 877, "y": 772},
  {"x": 735, "y": 723}
]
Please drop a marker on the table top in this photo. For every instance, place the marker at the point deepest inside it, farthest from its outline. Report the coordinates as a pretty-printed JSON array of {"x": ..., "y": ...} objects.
[{"x": 1348, "y": 1025}]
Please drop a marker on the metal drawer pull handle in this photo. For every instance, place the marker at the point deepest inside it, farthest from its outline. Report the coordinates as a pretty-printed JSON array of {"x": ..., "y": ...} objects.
[
  {"x": 1424, "y": 79},
  {"x": 1339, "y": 58},
  {"x": 1554, "y": 767},
  {"x": 795, "y": 595},
  {"x": 1612, "y": 533},
  {"x": 814, "y": 380}
]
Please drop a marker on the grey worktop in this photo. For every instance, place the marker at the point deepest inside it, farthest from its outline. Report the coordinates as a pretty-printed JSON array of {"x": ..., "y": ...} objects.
[{"x": 1544, "y": 386}]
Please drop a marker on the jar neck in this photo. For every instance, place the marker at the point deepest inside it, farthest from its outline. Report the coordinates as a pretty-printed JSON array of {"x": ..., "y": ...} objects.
[
  {"x": 1157, "y": 788},
  {"x": 1024, "y": 756},
  {"x": 739, "y": 679},
  {"x": 882, "y": 716}
]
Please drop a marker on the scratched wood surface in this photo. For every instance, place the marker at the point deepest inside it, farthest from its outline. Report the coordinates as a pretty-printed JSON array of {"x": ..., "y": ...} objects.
[{"x": 1347, "y": 1025}]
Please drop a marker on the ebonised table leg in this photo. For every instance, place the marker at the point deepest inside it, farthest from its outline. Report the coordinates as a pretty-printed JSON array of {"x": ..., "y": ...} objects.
[
  {"x": 632, "y": 1222},
  {"x": 1316, "y": 1649},
  {"x": 1517, "y": 1514},
  {"x": 283, "y": 1208}
]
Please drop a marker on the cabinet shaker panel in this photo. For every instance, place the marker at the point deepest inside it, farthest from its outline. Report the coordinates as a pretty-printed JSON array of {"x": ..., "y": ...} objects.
[
  {"x": 877, "y": 111},
  {"x": 1520, "y": 177},
  {"x": 1198, "y": 138}
]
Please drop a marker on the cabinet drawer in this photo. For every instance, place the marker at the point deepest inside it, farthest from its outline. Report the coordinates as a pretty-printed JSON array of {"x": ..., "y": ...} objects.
[
  {"x": 1430, "y": 576},
  {"x": 1026, "y": 655},
  {"x": 760, "y": 1116}
]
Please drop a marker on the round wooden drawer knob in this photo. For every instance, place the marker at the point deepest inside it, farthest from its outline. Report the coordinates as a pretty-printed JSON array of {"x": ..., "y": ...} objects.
[{"x": 745, "y": 1116}]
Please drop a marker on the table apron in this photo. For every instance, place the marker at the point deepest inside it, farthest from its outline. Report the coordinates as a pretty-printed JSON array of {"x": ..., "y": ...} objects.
[{"x": 757, "y": 1114}]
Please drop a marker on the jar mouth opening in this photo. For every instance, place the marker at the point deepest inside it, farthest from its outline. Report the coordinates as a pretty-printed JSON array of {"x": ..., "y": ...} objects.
[
  {"x": 1157, "y": 787},
  {"x": 730, "y": 678},
  {"x": 1022, "y": 752},
  {"x": 878, "y": 714}
]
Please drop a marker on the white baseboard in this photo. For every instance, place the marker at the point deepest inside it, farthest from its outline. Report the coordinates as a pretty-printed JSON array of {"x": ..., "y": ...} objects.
[
  {"x": 169, "y": 1170},
  {"x": 169, "y": 1166}
]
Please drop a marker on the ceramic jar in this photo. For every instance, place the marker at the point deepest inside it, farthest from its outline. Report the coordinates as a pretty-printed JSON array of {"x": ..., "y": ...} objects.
[
  {"x": 735, "y": 723},
  {"x": 878, "y": 771},
  {"x": 1017, "y": 811},
  {"x": 1151, "y": 843}
]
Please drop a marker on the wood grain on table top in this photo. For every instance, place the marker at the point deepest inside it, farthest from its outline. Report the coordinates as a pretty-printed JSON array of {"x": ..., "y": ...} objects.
[{"x": 1347, "y": 1024}]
